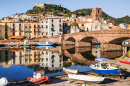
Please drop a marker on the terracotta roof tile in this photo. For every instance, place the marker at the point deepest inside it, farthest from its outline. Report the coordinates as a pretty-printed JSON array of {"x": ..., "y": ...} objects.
[
  {"x": 117, "y": 28},
  {"x": 76, "y": 22}
]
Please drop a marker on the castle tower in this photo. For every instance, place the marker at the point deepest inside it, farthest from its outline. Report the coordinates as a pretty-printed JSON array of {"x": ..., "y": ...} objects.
[
  {"x": 36, "y": 4},
  {"x": 97, "y": 14}
]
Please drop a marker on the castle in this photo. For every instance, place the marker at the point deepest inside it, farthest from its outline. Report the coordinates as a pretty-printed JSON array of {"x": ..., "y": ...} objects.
[{"x": 43, "y": 5}]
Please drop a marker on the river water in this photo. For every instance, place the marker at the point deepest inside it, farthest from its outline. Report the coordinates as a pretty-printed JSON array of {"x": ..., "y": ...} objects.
[{"x": 20, "y": 63}]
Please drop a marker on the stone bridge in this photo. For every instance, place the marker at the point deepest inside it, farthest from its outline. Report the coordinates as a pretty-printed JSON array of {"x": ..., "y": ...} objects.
[{"x": 109, "y": 39}]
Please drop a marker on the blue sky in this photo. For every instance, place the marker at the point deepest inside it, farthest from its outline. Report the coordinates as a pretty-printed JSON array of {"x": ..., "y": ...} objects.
[{"x": 115, "y": 8}]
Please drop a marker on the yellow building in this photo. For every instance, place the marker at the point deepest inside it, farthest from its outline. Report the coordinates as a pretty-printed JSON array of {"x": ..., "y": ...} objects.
[
  {"x": 5, "y": 27},
  {"x": 128, "y": 26}
]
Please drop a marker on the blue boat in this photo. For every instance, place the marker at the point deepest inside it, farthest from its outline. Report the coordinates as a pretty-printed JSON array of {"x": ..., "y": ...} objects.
[
  {"x": 44, "y": 46},
  {"x": 99, "y": 59},
  {"x": 104, "y": 68},
  {"x": 41, "y": 44},
  {"x": 95, "y": 43}
]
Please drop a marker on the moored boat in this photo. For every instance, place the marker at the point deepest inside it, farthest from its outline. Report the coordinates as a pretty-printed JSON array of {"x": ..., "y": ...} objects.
[
  {"x": 86, "y": 78},
  {"x": 72, "y": 74},
  {"x": 126, "y": 62},
  {"x": 37, "y": 78},
  {"x": 42, "y": 44},
  {"x": 104, "y": 68},
  {"x": 70, "y": 71},
  {"x": 3, "y": 81}
]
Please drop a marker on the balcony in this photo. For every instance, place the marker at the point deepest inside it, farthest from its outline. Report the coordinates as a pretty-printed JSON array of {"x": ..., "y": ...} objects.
[
  {"x": 14, "y": 30},
  {"x": 60, "y": 29},
  {"x": 52, "y": 29},
  {"x": 25, "y": 27},
  {"x": 30, "y": 27}
]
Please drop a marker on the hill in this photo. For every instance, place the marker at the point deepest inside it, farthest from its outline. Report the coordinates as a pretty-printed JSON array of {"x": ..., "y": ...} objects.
[
  {"x": 85, "y": 12},
  {"x": 48, "y": 8}
]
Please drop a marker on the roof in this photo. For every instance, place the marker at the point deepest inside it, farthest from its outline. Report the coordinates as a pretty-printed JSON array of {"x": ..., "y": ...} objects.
[
  {"x": 117, "y": 28},
  {"x": 76, "y": 22}
]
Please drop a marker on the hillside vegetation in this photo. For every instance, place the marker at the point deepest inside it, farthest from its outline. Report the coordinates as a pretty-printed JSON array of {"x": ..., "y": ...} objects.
[
  {"x": 48, "y": 8},
  {"x": 81, "y": 12}
]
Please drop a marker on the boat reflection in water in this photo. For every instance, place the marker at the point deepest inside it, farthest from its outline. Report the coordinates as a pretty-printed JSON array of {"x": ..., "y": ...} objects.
[{"x": 19, "y": 64}]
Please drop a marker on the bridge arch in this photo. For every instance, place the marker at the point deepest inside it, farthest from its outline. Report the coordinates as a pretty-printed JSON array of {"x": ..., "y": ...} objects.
[
  {"x": 118, "y": 40},
  {"x": 89, "y": 39},
  {"x": 71, "y": 39}
]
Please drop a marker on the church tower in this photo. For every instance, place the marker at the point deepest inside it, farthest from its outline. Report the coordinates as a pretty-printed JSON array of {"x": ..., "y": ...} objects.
[{"x": 97, "y": 14}]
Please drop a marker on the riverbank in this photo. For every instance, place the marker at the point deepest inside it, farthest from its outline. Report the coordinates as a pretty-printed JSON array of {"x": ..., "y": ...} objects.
[{"x": 63, "y": 80}]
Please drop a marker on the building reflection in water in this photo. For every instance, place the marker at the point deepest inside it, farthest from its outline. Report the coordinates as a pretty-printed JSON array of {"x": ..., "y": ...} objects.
[{"x": 55, "y": 58}]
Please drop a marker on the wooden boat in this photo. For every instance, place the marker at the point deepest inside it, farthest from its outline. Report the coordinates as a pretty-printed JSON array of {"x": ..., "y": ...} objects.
[
  {"x": 86, "y": 78},
  {"x": 126, "y": 62},
  {"x": 70, "y": 71},
  {"x": 37, "y": 78},
  {"x": 3, "y": 81},
  {"x": 72, "y": 74},
  {"x": 42, "y": 44},
  {"x": 104, "y": 68}
]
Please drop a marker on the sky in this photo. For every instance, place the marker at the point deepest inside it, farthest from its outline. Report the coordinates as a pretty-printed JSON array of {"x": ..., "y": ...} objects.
[{"x": 114, "y": 8}]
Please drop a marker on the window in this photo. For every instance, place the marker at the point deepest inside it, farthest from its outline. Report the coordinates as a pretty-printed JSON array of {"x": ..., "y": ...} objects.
[
  {"x": 42, "y": 26},
  {"x": 95, "y": 27},
  {"x": 13, "y": 25},
  {"x": 82, "y": 24},
  {"x": 59, "y": 20},
  {"x": 52, "y": 34},
  {"x": 98, "y": 18},
  {"x": 46, "y": 59},
  {"x": 52, "y": 20},
  {"x": 98, "y": 11},
  {"x": 46, "y": 26},
  {"x": 60, "y": 25},
  {"x": 34, "y": 26},
  {"x": 19, "y": 25},
  {"x": 52, "y": 25}
]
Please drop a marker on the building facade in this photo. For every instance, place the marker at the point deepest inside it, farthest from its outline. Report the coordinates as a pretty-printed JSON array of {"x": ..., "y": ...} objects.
[{"x": 51, "y": 26}]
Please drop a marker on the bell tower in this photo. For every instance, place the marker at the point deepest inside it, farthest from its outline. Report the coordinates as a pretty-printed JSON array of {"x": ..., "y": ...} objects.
[{"x": 97, "y": 14}]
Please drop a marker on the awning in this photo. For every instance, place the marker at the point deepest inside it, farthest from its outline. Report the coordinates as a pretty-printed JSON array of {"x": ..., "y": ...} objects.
[
  {"x": 13, "y": 37},
  {"x": 18, "y": 37},
  {"x": 17, "y": 50}
]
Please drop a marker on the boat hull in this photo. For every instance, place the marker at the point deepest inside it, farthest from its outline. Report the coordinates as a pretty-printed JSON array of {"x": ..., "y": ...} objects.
[
  {"x": 39, "y": 80},
  {"x": 124, "y": 62},
  {"x": 70, "y": 71},
  {"x": 53, "y": 44},
  {"x": 3, "y": 81},
  {"x": 86, "y": 78},
  {"x": 27, "y": 46},
  {"x": 112, "y": 71}
]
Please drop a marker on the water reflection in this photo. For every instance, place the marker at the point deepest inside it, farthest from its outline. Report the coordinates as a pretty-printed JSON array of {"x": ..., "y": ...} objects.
[{"x": 50, "y": 61}]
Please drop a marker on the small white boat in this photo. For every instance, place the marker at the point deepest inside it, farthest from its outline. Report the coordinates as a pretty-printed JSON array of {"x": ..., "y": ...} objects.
[
  {"x": 70, "y": 71},
  {"x": 3, "y": 81},
  {"x": 86, "y": 78}
]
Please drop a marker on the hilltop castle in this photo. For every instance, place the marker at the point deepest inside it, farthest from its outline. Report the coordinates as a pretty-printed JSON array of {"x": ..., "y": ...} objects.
[{"x": 43, "y": 5}]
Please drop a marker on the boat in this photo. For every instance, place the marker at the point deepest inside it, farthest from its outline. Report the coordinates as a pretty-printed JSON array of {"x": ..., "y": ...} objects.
[
  {"x": 44, "y": 46},
  {"x": 26, "y": 45},
  {"x": 86, "y": 78},
  {"x": 3, "y": 81},
  {"x": 47, "y": 44},
  {"x": 70, "y": 71},
  {"x": 38, "y": 79},
  {"x": 104, "y": 68},
  {"x": 122, "y": 57},
  {"x": 95, "y": 43},
  {"x": 100, "y": 59},
  {"x": 126, "y": 61},
  {"x": 72, "y": 74}
]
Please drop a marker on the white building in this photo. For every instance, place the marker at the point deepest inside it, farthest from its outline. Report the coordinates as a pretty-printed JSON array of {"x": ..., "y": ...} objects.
[
  {"x": 51, "y": 60},
  {"x": 51, "y": 26}
]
